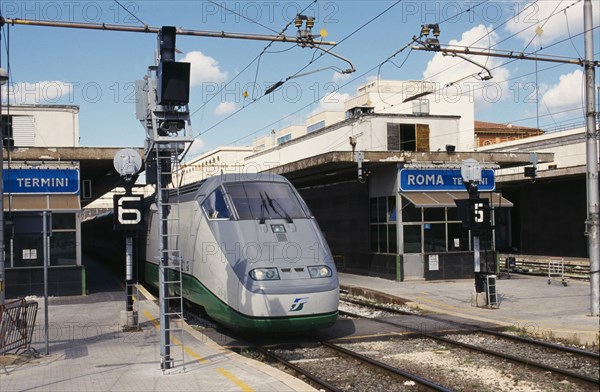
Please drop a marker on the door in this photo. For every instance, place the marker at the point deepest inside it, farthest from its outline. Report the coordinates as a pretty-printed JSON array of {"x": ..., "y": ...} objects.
[{"x": 413, "y": 252}]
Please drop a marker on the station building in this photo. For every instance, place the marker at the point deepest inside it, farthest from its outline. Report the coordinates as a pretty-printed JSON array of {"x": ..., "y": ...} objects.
[
  {"x": 46, "y": 171},
  {"x": 348, "y": 166}
]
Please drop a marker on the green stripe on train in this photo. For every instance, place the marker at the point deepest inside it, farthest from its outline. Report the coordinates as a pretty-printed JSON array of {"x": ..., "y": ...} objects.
[{"x": 194, "y": 291}]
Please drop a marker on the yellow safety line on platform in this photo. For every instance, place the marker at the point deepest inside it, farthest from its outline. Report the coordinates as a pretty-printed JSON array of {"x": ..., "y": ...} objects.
[
  {"x": 245, "y": 387},
  {"x": 188, "y": 350}
]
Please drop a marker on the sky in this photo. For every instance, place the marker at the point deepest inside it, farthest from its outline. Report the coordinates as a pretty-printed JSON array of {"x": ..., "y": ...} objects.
[{"x": 96, "y": 70}]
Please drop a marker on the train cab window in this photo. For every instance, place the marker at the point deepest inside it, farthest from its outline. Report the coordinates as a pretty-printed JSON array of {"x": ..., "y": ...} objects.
[
  {"x": 215, "y": 206},
  {"x": 265, "y": 200}
]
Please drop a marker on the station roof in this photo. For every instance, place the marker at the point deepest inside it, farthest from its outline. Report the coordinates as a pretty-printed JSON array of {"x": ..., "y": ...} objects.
[
  {"x": 96, "y": 164},
  {"x": 340, "y": 166}
]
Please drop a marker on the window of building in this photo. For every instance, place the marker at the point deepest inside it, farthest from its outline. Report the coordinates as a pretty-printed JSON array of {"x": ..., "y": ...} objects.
[
  {"x": 315, "y": 126},
  {"x": 420, "y": 107},
  {"x": 439, "y": 229},
  {"x": 383, "y": 217},
  {"x": 407, "y": 137},
  {"x": 284, "y": 138},
  {"x": 24, "y": 243},
  {"x": 434, "y": 237},
  {"x": 7, "y": 131},
  {"x": 19, "y": 129}
]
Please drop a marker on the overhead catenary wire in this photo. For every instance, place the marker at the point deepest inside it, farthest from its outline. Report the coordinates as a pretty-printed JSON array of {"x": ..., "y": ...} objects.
[
  {"x": 248, "y": 65},
  {"x": 507, "y": 38},
  {"x": 301, "y": 69}
]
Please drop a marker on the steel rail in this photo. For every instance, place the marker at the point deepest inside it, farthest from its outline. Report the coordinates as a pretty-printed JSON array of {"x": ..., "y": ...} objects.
[
  {"x": 554, "y": 346},
  {"x": 513, "y": 358},
  {"x": 298, "y": 369},
  {"x": 387, "y": 367}
]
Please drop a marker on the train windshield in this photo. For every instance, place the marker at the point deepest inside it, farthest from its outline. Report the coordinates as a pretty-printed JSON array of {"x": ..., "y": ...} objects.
[{"x": 265, "y": 200}]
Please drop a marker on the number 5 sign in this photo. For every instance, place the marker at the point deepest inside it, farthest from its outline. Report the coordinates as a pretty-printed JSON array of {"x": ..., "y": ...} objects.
[
  {"x": 474, "y": 213},
  {"x": 128, "y": 212}
]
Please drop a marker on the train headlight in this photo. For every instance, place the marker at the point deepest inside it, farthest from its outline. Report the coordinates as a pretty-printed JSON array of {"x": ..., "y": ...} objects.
[
  {"x": 264, "y": 274},
  {"x": 319, "y": 271}
]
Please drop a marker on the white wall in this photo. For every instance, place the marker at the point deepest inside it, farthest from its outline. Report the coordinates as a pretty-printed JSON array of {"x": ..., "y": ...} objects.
[
  {"x": 52, "y": 125},
  {"x": 386, "y": 97},
  {"x": 215, "y": 162},
  {"x": 568, "y": 147},
  {"x": 370, "y": 133}
]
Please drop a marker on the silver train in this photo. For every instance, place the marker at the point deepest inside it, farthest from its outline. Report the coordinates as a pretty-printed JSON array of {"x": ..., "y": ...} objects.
[{"x": 253, "y": 257}]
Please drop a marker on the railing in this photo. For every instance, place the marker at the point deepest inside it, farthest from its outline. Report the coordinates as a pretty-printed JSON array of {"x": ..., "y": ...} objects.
[
  {"x": 538, "y": 265},
  {"x": 17, "y": 320}
]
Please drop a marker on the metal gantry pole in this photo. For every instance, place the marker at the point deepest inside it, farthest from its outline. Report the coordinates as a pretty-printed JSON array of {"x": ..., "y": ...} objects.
[
  {"x": 163, "y": 270},
  {"x": 593, "y": 218},
  {"x": 46, "y": 262},
  {"x": 129, "y": 276}
]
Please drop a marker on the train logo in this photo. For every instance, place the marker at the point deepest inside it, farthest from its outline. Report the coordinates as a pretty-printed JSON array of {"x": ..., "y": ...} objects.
[{"x": 298, "y": 304}]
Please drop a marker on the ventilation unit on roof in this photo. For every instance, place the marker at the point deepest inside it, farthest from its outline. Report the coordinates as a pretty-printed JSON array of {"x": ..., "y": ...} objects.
[{"x": 360, "y": 111}]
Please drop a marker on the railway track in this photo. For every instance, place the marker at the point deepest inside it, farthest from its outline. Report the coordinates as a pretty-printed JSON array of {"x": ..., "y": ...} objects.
[
  {"x": 353, "y": 363},
  {"x": 568, "y": 357},
  {"x": 473, "y": 328},
  {"x": 395, "y": 362}
]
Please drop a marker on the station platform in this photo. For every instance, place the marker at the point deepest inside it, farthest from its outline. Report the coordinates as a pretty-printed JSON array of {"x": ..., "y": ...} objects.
[
  {"x": 527, "y": 303},
  {"x": 88, "y": 351}
]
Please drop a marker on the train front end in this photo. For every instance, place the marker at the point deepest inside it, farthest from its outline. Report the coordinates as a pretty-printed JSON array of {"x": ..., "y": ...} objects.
[{"x": 281, "y": 275}]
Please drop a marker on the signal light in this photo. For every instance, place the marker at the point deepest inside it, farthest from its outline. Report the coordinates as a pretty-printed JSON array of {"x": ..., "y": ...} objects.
[
  {"x": 530, "y": 172},
  {"x": 171, "y": 126},
  {"x": 173, "y": 83},
  {"x": 167, "y": 38}
]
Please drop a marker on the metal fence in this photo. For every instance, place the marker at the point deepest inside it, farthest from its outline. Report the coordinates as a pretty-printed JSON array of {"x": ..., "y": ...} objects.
[{"x": 17, "y": 320}]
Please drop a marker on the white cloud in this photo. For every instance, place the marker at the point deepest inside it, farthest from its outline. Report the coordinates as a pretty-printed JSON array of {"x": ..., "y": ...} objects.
[
  {"x": 332, "y": 102},
  {"x": 204, "y": 69},
  {"x": 566, "y": 94},
  {"x": 224, "y": 108},
  {"x": 196, "y": 148},
  {"x": 340, "y": 77},
  {"x": 43, "y": 92},
  {"x": 536, "y": 13},
  {"x": 463, "y": 74}
]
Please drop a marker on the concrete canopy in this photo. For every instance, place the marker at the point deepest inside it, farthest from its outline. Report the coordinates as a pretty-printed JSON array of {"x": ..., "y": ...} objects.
[{"x": 96, "y": 164}]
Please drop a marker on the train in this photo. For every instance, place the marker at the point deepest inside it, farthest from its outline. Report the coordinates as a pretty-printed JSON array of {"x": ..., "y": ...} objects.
[{"x": 252, "y": 255}]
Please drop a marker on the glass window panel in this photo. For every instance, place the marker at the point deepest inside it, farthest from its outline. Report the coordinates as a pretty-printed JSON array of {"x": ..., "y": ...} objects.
[
  {"x": 383, "y": 238},
  {"x": 457, "y": 241},
  {"x": 63, "y": 221},
  {"x": 215, "y": 206},
  {"x": 412, "y": 238},
  {"x": 62, "y": 249},
  {"x": 453, "y": 214},
  {"x": 435, "y": 238},
  {"x": 409, "y": 212},
  {"x": 391, "y": 208},
  {"x": 381, "y": 210},
  {"x": 434, "y": 215},
  {"x": 374, "y": 238},
  {"x": 28, "y": 250},
  {"x": 393, "y": 244},
  {"x": 373, "y": 210}
]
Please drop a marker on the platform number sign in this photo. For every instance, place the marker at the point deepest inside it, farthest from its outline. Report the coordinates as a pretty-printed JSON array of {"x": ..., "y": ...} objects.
[
  {"x": 474, "y": 213},
  {"x": 128, "y": 212}
]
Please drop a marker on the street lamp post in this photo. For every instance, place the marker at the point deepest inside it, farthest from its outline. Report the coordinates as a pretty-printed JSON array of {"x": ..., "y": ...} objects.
[{"x": 3, "y": 80}]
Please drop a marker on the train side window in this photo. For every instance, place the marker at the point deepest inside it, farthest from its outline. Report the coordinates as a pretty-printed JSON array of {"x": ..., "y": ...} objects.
[{"x": 215, "y": 206}]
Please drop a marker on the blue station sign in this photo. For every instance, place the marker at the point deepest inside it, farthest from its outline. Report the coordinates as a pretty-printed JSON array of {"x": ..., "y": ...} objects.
[
  {"x": 448, "y": 180},
  {"x": 38, "y": 181}
]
